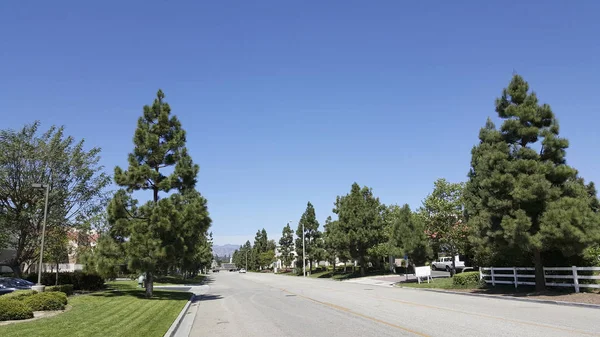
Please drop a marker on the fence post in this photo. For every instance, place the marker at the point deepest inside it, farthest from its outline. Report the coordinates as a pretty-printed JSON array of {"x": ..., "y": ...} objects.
[
  {"x": 480, "y": 274},
  {"x": 575, "y": 279},
  {"x": 493, "y": 279},
  {"x": 515, "y": 276}
]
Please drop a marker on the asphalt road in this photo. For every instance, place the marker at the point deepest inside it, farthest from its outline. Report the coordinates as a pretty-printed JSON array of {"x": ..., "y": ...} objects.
[{"x": 270, "y": 305}]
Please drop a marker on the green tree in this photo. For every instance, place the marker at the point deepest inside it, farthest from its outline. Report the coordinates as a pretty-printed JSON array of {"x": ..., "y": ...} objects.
[
  {"x": 56, "y": 247},
  {"x": 77, "y": 187},
  {"x": 360, "y": 216},
  {"x": 443, "y": 214},
  {"x": 334, "y": 242},
  {"x": 522, "y": 198},
  {"x": 408, "y": 234},
  {"x": 156, "y": 231},
  {"x": 286, "y": 245},
  {"x": 311, "y": 234}
]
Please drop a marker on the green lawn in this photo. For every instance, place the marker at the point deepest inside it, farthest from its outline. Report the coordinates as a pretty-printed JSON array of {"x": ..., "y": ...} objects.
[
  {"x": 122, "y": 312},
  {"x": 437, "y": 283}
]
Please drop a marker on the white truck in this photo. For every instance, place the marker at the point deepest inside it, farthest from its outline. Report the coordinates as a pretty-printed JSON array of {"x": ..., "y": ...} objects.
[{"x": 445, "y": 263}]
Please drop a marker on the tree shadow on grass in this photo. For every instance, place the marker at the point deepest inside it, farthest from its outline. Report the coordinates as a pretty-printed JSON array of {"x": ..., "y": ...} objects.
[{"x": 141, "y": 294}]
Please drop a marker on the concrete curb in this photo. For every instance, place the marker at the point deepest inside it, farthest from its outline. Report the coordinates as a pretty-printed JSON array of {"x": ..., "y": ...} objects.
[
  {"x": 173, "y": 329},
  {"x": 511, "y": 298}
]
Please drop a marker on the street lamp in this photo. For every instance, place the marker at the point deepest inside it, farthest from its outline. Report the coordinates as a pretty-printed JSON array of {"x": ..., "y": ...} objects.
[{"x": 39, "y": 287}]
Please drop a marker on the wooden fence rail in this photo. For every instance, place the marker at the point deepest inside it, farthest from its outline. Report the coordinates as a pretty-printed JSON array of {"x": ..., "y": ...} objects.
[{"x": 526, "y": 276}]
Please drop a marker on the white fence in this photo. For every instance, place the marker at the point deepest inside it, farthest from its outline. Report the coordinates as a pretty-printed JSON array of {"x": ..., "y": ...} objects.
[{"x": 526, "y": 276}]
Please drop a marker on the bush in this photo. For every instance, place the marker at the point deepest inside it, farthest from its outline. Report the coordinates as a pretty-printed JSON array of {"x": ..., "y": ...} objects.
[
  {"x": 18, "y": 294},
  {"x": 79, "y": 280},
  {"x": 46, "y": 301},
  {"x": 470, "y": 278},
  {"x": 11, "y": 309},
  {"x": 63, "y": 288}
]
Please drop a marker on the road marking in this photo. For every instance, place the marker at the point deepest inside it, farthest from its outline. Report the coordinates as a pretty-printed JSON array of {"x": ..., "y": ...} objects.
[
  {"x": 539, "y": 325},
  {"x": 344, "y": 309}
]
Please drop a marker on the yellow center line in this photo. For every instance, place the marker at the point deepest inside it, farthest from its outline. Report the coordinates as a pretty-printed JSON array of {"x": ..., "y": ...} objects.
[{"x": 344, "y": 309}]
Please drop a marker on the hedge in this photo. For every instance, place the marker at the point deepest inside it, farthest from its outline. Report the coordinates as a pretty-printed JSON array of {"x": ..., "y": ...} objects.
[
  {"x": 46, "y": 301},
  {"x": 79, "y": 280},
  {"x": 18, "y": 294},
  {"x": 11, "y": 309},
  {"x": 63, "y": 288},
  {"x": 470, "y": 278}
]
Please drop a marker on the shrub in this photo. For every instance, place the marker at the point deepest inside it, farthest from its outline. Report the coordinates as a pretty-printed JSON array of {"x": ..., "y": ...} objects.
[
  {"x": 470, "y": 278},
  {"x": 79, "y": 280},
  {"x": 46, "y": 301},
  {"x": 18, "y": 294},
  {"x": 11, "y": 309},
  {"x": 64, "y": 288}
]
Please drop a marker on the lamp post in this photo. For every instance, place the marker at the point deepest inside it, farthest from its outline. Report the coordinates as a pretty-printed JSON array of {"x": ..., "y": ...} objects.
[{"x": 39, "y": 287}]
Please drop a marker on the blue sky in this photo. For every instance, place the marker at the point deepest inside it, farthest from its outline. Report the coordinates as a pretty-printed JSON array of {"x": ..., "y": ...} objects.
[{"x": 286, "y": 102}]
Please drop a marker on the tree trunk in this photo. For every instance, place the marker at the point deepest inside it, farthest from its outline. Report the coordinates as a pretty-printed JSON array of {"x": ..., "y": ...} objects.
[
  {"x": 453, "y": 270},
  {"x": 540, "y": 282},
  {"x": 362, "y": 266},
  {"x": 17, "y": 271},
  {"x": 333, "y": 263},
  {"x": 56, "y": 282},
  {"x": 149, "y": 284}
]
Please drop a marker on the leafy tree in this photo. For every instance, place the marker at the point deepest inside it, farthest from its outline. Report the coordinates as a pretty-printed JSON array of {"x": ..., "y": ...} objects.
[
  {"x": 77, "y": 186},
  {"x": 522, "y": 198},
  {"x": 156, "y": 231},
  {"x": 311, "y": 234},
  {"x": 443, "y": 212},
  {"x": 360, "y": 217},
  {"x": 408, "y": 234},
  {"x": 286, "y": 243},
  {"x": 56, "y": 247},
  {"x": 334, "y": 242}
]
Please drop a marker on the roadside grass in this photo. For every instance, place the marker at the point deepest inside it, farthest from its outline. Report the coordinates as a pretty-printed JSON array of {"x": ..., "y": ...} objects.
[
  {"x": 437, "y": 283},
  {"x": 121, "y": 310}
]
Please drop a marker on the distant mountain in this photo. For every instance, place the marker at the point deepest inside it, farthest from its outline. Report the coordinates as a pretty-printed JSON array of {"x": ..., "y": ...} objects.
[{"x": 224, "y": 250}]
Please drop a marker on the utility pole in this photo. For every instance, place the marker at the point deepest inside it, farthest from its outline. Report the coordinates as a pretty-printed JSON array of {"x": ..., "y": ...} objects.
[{"x": 246, "y": 260}]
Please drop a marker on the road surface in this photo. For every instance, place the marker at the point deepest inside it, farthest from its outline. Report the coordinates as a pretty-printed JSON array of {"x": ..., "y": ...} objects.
[{"x": 268, "y": 305}]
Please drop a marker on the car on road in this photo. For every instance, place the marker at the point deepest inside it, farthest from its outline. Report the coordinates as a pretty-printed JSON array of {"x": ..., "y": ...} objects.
[
  {"x": 10, "y": 284},
  {"x": 445, "y": 263},
  {"x": 243, "y": 271}
]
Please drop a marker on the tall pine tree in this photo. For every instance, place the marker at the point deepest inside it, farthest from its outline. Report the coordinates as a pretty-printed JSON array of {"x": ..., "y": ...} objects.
[
  {"x": 311, "y": 234},
  {"x": 158, "y": 230},
  {"x": 522, "y": 199},
  {"x": 286, "y": 244},
  {"x": 360, "y": 217}
]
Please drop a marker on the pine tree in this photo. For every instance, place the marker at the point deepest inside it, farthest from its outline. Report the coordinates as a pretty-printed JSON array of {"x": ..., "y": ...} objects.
[
  {"x": 408, "y": 234},
  {"x": 360, "y": 217},
  {"x": 286, "y": 243},
  {"x": 522, "y": 199},
  {"x": 311, "y": 233},
  {"x": 154, "y": 230}
]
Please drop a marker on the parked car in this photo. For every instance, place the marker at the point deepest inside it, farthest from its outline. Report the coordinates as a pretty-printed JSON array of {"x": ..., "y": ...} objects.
[
  {"x": 10, "y": 284},
  {"x": 243, "y": 271},
  {"x": 445, "y": 263}
]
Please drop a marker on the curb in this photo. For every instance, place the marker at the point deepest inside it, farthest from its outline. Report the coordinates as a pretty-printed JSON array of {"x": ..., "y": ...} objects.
[
  {"x": 511, "y": 298},
  {"x": 173, "y": 329}
]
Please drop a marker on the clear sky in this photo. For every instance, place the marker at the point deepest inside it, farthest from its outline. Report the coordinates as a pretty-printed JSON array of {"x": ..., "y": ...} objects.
[{"x": 290, "y": 101}]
